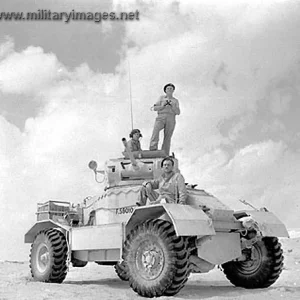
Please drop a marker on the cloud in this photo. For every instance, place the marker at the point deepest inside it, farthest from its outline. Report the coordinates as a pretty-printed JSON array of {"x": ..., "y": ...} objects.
[
  {"x": 274, "y": 126},
  {"x": 280, "y": 100},
  {"x": 237, "y": 129},
  {"x": 27, "y": 72}
]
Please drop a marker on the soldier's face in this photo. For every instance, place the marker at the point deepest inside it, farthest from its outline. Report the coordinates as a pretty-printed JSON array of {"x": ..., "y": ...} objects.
[
  {"x": 167, "y": 166},
  {"x": 136, "y": 136},
  {"x": 169, "y": 90}
]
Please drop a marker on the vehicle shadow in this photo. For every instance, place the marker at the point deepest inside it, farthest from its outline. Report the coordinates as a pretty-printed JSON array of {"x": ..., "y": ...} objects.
[
  {"x": 195, "y": 290},
  {"x": 110, "y": 282}
]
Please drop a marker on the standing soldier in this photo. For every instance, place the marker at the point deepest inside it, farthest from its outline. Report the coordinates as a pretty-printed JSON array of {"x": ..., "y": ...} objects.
[{"x": 167, "y": 108}]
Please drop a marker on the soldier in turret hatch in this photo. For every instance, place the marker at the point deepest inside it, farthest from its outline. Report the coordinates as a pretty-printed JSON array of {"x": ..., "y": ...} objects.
[
  {"x": 134, "y": 143},
  {"x": 167, "y": 108},
  {"x": 170, "y": 187}
]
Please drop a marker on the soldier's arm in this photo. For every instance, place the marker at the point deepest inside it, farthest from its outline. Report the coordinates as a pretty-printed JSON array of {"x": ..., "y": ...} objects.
[
  {"x": 140, "y": 148},
  {"x": 154, "y": 183},
  {"x": 159, "y": 105},
  {"x": 129, "y": 145},
  {"x": 182, "y": 192},
  {"x": 175, "y": 106}
]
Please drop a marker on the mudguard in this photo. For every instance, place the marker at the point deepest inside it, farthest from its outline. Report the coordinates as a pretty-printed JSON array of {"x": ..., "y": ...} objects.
[
  {"x": 37, "y": 227},
  {"x": 268, "y": 223},
  {"x": 187, "y": 220}
]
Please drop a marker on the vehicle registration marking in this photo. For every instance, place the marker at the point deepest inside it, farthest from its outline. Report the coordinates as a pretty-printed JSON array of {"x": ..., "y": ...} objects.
[{"x": 125, "y": 210}]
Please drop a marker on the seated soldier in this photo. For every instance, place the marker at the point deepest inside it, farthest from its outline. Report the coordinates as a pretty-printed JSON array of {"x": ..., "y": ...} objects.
[{"x": 170, "y": 187}]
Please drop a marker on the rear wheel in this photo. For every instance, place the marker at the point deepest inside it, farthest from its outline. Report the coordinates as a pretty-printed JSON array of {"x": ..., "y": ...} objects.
[
  {"x": 261, "y": 269},
  {"x": 157, "y": 259},
  {"x": 48, "y": 256}
]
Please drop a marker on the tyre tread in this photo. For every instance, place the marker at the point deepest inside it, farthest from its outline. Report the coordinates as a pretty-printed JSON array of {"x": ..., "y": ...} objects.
[
  {"x": 179, "y": 271},
  {"x": 268, "y": 273},
  {"x": 59, "y": 247}
]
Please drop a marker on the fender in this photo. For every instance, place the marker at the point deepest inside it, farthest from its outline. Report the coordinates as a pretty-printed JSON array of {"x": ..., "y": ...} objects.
[
  {"x": 268, "y": 223},
  {"x": 37, "y": 227},
  {"x": 187, "y": 220}
]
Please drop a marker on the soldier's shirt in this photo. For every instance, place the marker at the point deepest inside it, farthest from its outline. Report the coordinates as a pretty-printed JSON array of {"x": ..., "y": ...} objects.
[
  {"x": 168, "y": 110},
  {"x": 134, "y": 145},
  {"x": 171, "y": 187}
]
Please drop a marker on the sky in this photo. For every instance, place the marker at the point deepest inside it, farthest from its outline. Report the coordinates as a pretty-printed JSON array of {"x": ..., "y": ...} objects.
[{"x": 64, "y": 100}]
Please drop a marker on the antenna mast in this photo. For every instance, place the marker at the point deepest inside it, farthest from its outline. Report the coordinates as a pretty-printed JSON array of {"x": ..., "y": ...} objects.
[{"x": 130, "y": 95}]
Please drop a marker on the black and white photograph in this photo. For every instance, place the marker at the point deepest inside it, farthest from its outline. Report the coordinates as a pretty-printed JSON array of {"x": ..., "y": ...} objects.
[{"x": 149, "y": 149}]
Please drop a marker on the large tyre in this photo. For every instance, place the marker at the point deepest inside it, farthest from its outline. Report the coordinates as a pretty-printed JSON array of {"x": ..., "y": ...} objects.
[
  {"x": 48, "y": 256},
  {"x": 157, "y": 260},
  {"x": 121, "y": 271},
  {"x": 262, "y": 268}
]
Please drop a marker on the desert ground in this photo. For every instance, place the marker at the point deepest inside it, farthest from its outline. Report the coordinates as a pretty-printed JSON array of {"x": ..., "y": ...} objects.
[{"x": 100, "y": 282}]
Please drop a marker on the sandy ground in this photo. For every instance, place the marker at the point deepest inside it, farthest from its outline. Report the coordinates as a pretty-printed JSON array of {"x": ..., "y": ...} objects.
[{"x": 99, "y": 282}]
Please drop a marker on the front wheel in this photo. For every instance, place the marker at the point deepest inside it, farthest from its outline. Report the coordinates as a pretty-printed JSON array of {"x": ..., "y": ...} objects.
[
  {"x": 157, "y": 260},
  {"x": 48, "y": 256},
  {"x": 262, "y": 267}
]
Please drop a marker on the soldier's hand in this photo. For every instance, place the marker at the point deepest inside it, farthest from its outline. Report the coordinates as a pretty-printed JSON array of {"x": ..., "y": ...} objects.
[
  {"x": 165, "y": 103},
  {"x": 148, "y": 186}
]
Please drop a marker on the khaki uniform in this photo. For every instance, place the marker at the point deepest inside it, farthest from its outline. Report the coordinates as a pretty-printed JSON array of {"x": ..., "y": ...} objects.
[
  {"x": 171, "y": 188},
  {"x": 165, "y": 120},
  {"x": 134, "y": 145}
]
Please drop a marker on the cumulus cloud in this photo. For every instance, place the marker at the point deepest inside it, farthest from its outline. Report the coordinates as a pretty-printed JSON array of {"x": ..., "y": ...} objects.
[
  {"x": 273, "y": 126},
  {"x": 28, "y": 71},
  {"x": 223, "y": 63},
  {"x": 280, "y": 100}
]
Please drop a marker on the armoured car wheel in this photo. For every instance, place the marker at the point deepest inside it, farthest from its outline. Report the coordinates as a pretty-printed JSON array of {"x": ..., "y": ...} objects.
[
  {"x": 121, "y": 271},
  {"x": 48, "y": 256},
  {"x": 157, "y": 260},
  {"x": 261, "y": 269}
]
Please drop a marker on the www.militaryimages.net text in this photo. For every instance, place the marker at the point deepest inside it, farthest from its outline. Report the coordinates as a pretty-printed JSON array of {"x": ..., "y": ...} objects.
[{"x": 48, "y": 15}]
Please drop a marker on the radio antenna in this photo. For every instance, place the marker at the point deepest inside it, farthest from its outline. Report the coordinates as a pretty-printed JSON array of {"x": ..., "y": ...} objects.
[{"x": 130, "y": 95}]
